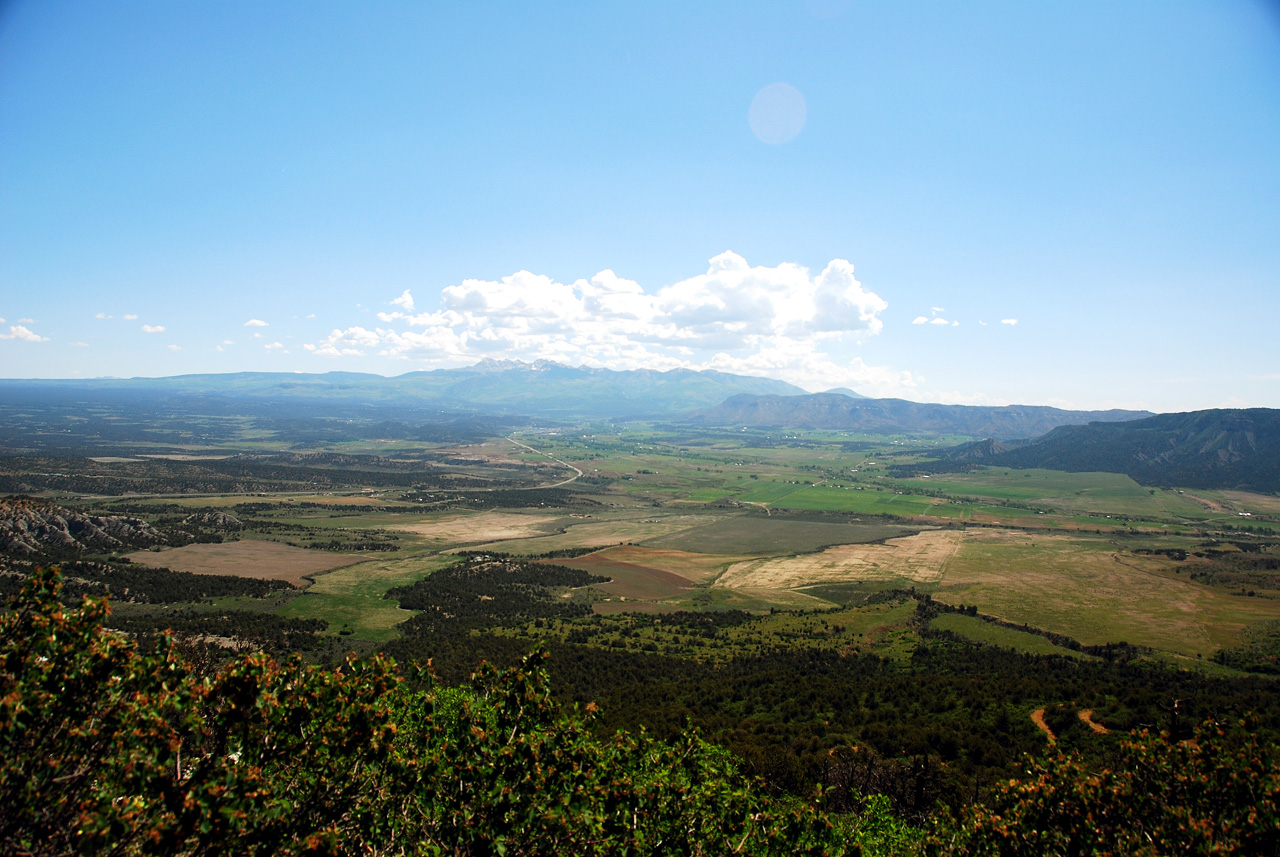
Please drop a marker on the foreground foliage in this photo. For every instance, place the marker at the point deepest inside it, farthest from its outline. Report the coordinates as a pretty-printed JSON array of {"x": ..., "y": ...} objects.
[
  {"x": 1216, "y": 794},
  {"x": 107, "y": 749}
]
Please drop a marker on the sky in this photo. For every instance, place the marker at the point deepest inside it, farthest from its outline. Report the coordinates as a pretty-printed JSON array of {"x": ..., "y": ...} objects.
[{"x": 1065, "y": 203}]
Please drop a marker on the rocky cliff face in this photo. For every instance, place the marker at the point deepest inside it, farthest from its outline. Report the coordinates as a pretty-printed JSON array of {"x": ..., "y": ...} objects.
[{"x": 32, "y": 527}]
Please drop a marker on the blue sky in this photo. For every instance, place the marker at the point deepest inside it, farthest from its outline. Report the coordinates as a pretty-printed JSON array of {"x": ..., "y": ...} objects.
[{"x": 1048, "y": 203}]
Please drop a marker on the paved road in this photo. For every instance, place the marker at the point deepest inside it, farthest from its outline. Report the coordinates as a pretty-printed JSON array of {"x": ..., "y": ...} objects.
[{"x": 576, "y": 472}]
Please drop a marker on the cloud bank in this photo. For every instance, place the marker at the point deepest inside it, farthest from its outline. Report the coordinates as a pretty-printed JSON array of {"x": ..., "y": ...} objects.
[{"x": 781, "y": 321}]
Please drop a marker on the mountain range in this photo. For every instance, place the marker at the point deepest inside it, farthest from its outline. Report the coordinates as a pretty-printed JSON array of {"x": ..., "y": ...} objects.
[
  {"x": 898, "y": 416},
  {"x": 1232, "y": 448},
  {"x": 543, "y": 389}
]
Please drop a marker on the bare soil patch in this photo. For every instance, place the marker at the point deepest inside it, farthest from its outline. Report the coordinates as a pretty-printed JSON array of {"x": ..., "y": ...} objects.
[
  {"x": 259, "y": 559},
  {"x": 1086, "y": 715},
  {"x": 921, "y": 558},
  {"x": 1037, "y": 717}
]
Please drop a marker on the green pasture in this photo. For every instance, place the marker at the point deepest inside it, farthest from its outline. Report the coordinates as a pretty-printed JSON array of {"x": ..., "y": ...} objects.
[
  {"x": 850, "y": 499},
  {"x": 1094, "y": 494},
  {"x": 769, "y": 492},
  {"x": 973, "y": 628},
  {"x": 351, "y": 598}
]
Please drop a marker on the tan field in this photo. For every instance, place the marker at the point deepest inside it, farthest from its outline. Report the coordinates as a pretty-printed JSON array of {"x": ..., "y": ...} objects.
[
  {"x": 593, "y": 533},
  {"x": 695, "y": 567},
  {"x": 921, "y": 558},
  {"x": 482, "y": 527},
  {"x": 248, "y": 558},
  {"x": 1089, "y": 589}
]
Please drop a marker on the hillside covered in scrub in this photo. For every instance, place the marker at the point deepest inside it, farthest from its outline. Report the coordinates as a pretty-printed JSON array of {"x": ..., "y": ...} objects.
[{"x": 1235, "y": 448}]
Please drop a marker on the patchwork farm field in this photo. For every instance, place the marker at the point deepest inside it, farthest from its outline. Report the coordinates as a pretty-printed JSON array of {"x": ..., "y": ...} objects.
[{"x": 752, "y": 521}]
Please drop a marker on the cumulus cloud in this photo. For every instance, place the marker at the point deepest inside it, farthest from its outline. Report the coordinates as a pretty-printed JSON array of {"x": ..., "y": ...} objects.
[
  {"x": 152, "y": 328},
  {"x": 256, "y": 322},
  {"x": 130, "y": 316},
  {"x": 272, "y": 346},
  {"x": 175, "y": 347},
  {"x": 1009, "y": 321},
  {"x": 934, "y": 318},
  {"x": 96, "y": 315},
  {"x": 22, "y": 334},
  {"x": 786, "y": 321}
]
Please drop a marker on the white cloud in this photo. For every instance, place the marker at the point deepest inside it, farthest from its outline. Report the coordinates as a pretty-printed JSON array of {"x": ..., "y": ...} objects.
[
  {"x": 1, "y": 321},
  {"x": 175, "y": 347},
  {"x": 129, "y": 316},
  {"x": 98, "y": 315},
  {"x": 228, "y": 342},
  {"x": 21, "y": 333},
  {"x": 153, "y": 328},
  {"x": 80, "y": 344},
  {"x": 938, "y": 321},
  {"x": 784, "y": 321},
  {"x": 272, "y": 346},
  {"x": 920, "y": 319},
  {"x": 1009, "y": 321},
  {"x": 311, "y": 315},
  {"x": 255, "y": 322}
]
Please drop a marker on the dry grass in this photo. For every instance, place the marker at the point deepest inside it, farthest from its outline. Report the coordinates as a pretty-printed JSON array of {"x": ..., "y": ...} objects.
[
  {"x": 696, "y": 567},
  {"x": 1262, "y": 503},
  {"x": 921, "y": 558},
  {"x": 482, "y": 527},
  {"x": 1089, "y": 589},
  {"x": 248, "y": 558},
  {"x": 597, "y": 533}
]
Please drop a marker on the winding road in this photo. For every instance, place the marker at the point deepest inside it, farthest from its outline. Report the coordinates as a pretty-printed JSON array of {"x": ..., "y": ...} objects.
[{"x": 576, "y": 472}]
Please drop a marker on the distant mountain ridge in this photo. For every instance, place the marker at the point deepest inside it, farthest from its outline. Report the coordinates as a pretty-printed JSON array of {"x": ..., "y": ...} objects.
[
  {"x": 540, "y": 389},
  {"x": 1225, "y": 448},
  {"x": 889, "y": 416}
]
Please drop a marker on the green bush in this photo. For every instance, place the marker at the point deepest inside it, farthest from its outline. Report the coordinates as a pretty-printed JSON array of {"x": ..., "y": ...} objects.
[{"x": 1218, "y": 793}]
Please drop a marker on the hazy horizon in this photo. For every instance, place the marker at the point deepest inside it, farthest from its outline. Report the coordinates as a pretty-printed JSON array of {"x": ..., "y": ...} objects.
[{"x": 1065, "y": 205}]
